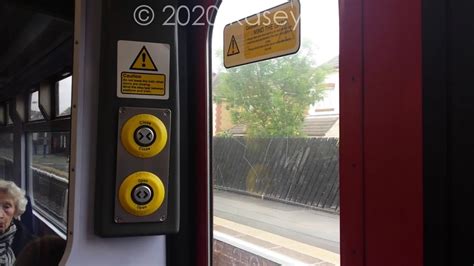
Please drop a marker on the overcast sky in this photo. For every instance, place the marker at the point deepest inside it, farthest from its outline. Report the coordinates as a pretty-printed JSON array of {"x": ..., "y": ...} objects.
[{"x": 319, "y": 23}]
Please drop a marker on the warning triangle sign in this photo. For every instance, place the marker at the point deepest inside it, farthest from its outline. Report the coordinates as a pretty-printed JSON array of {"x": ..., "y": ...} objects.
[
  {"x": 233, "y": 48},
  {"x": 143, "y": 61}
]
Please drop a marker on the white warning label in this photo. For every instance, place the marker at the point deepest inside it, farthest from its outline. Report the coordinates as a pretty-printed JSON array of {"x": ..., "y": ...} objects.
[{"x": 143, "y": 70}]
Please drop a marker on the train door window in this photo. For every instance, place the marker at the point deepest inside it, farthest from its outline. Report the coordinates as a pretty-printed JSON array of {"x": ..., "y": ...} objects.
[
  {"x": 34, "y": 110},
  {"x": 49, "y": 174},
  {"x": 6, "y": 156},
  {"x": 3, "y": 115},
  {"x": 9, "y": 118},
  {"x": 275, "y": 139},
  {"x": 47, "y": 157},
  {"x": 63, "y": 96}
]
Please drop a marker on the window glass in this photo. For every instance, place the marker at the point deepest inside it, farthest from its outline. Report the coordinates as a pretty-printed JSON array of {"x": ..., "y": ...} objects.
[
  {"x": 2, "y": 114},
  {"x": 9, "y": 118},
  {"x": 35, "y": 113},
  {"x": 6, "y": 156},
  {"x": 276, "y": 195},
  {"x": 64, "y": 91},
  {"x": 49, "y": 173}
]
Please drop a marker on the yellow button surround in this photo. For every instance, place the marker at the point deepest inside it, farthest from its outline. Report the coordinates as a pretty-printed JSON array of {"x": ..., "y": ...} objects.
[
  {"x": 128, "y": 138},
  {"x": 141, "y": 178}
]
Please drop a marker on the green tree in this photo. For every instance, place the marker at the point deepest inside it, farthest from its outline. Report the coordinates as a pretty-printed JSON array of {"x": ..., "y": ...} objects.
[{"x": 271, "y": 97}]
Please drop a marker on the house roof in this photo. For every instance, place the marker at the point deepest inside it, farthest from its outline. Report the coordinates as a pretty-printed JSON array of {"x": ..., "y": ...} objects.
[
  {"x": 333, "y": 63},
  {"x": 314, "y": 126},
  {"x": 318, "y": 126}
]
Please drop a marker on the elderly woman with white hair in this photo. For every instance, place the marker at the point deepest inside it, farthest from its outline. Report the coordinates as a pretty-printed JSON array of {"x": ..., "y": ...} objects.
[{"x": 13, "y": 235}]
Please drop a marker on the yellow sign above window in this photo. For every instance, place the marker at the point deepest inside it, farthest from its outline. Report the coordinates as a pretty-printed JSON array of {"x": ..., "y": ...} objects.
[{"x": 272, "y": 33}]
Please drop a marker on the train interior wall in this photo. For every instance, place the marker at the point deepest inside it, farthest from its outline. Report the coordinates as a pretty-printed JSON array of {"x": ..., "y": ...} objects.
[{"x": 36, "y": 47}]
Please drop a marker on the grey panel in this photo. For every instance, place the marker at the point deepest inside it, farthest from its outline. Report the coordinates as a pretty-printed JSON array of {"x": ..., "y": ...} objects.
[{"x": 128, "y": 164}]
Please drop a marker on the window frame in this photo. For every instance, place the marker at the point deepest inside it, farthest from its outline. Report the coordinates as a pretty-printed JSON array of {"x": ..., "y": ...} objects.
[
  {"x": 55, "y": 94},
  {"x": 8, "y": 117},
  {"x": 29, "y": 109},
  {"x": 52, "y": 124},
  {"x": 3, "y": 115},
  {"x": 50, "y": 217}
]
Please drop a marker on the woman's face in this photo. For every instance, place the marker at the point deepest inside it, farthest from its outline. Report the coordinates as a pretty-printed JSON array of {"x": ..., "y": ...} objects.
[{"x": 7, "y": 210}]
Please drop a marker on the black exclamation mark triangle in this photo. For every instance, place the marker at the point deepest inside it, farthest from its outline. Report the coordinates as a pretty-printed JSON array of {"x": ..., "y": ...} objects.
[
  {"x": 233, "y": 48},
  {"x": 143, "y": 61}
]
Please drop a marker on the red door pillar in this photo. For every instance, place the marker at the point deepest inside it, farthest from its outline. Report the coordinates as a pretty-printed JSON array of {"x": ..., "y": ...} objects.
[{"x": 381, "y": 133}]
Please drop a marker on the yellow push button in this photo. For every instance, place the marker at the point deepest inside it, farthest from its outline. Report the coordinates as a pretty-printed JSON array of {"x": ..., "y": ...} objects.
[
  {"x": 141, "y": 193},
  {"x": 144, "y": 135}
]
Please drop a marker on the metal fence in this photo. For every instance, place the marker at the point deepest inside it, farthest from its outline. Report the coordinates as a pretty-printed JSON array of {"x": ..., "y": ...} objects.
[
  {"x": 50, "y": 193},
  {"x": 49, "y": 190},
  {"x": 302, "y": 171}
]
